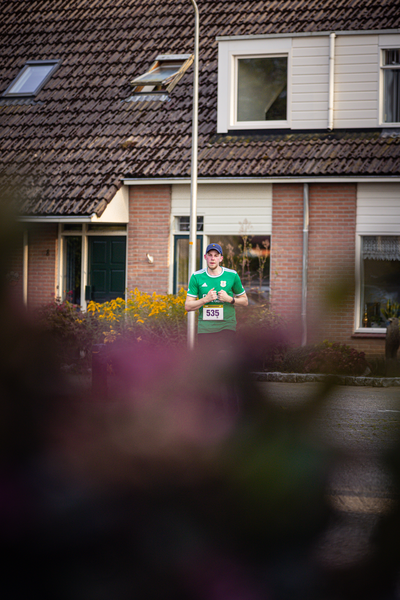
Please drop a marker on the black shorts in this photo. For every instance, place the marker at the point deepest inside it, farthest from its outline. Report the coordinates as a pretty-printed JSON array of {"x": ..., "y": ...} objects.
[{"x": 220, "y": 339}]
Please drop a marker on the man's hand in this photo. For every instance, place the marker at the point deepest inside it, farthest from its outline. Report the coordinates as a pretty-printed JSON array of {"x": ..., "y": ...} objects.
[
  {"x": 224, "y": 297},
  {"x": 212, "y": 295}
]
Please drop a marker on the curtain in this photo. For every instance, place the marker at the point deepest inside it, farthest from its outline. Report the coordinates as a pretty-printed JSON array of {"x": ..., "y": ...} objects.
[{"x": 381, "y": 247}]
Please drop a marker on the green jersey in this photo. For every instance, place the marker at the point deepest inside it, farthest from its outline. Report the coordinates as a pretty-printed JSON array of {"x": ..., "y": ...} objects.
[{"x": 216, "y": 315}]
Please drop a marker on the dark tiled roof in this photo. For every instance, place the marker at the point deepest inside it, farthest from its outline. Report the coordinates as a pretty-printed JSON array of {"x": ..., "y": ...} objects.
[{"x": 70, "y": 148}]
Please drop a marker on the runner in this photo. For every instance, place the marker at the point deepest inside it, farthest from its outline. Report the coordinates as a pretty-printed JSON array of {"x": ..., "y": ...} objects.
[{"x": 215, "y": 291}]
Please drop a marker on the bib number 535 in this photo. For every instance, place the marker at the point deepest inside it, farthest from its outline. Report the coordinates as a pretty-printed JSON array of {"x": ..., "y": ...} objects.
[{"x": 215, "y": 313}]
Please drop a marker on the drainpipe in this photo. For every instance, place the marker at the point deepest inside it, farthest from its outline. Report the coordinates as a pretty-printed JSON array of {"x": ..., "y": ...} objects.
[
  {"x": 332, "y": 37},
  {"x": 25, "y": 248},
  {"x": 305, "y": 265},
  {"x": 191, "y": 326}
]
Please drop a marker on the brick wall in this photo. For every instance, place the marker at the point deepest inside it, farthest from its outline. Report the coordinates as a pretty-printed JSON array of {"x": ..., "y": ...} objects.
[
  {"x": 42, "y": 264},
  {"x": 286, "y": 250},
  {"x": 331, "y": 262},
  {"x": 148, "y": 231}
]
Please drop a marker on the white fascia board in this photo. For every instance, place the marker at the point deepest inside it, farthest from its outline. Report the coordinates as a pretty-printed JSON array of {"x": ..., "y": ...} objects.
[
  {"x": 55, "y": 219},
  {"x": 263, "y": 36},
  {"x": 209, "y": 180}
]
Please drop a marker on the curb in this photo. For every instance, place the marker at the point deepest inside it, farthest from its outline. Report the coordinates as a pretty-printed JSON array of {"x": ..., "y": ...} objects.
[{"x": 335, "y": 379}]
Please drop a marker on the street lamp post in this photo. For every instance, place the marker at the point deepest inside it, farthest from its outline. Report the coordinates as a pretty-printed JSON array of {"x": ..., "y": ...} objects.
[{"x": 193, "y": 177}]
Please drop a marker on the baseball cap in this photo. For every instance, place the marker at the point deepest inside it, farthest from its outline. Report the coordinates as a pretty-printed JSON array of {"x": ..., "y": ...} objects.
[{"x": 216, "y": 247}]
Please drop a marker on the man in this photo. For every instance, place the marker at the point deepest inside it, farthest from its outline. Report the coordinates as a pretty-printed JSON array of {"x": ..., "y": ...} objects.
[{"x": 215, "y": 291}]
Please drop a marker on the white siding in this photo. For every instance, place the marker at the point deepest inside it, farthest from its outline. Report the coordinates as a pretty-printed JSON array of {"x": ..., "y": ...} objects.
[
  {"x": 226, "y": 207},
  {"x": 356, "y": 81},
  {"x": 378, "y": 208},
  {"x": 310, "y": 82}
]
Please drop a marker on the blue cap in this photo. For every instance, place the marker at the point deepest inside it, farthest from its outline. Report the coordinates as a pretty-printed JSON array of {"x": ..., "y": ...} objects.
[{"x": 216, "y": 247}]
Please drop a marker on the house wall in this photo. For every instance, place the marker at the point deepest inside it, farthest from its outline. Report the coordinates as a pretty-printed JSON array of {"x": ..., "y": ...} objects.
[
  {"x": 42, "y": 264},
  {"x": 148, "y": 232},
  {"x": 310, "y": 82},
  {"x": 228, "y": 208},
  {"x": 287, "y": 252},
  {"x": 356, "y": 81},
  {"x": 378, "y": 209},
  {"x": 331, "y": 263}
]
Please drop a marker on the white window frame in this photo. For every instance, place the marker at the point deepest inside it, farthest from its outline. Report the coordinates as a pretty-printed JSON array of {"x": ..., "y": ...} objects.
[
  {"x": 358, "y": 328},
  {"x": 229, "y": 52},
  {"x": 254, "y": 124},
  {"x": 382, "y": 68}
]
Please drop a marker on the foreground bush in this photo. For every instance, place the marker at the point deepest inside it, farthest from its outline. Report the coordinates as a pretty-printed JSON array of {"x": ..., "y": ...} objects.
[
  {"x": 326, "y": 358},
  {"x": 73, "y": 332}
]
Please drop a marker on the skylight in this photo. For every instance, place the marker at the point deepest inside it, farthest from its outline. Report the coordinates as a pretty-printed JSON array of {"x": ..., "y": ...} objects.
[
  {"x": 163, "y": 74},
  {"x": 32, "y": 78}
]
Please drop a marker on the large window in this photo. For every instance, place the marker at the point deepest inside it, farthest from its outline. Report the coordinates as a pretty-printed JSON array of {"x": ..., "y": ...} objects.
[
  {"x": 262, "y": 88},
  {"x": 380, "y": 289},
  {"x": 391, "y": 86},
  {"x": 250, "y": 257}
]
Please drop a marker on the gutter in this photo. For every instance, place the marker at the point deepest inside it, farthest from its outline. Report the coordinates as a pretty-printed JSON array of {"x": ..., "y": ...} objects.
[
  {"x": 304, "y": 280},
  {"x": 295, "y": 179},
  {"x": 54, "y": 219},
  {"x": 264, "y": 36},
  {"x": 25, "y": 253}
]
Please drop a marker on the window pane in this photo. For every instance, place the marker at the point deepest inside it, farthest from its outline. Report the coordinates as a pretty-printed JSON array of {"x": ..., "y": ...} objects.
[
  {"x": 381, "y": 285},
  {"x": 184, "y": 223},
  {"x": 73, "y": 269},
  {"x": 392, "y": 95},
  {"x": 182, "y": 262},
  {"x": 159, "y": 74},
  {"x": 30, "y": 79},
  {"x": 250, "y": 257},
  {"x": 262, "y": 89}
]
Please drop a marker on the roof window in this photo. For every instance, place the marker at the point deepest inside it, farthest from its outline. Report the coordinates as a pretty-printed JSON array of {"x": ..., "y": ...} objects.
[
  {"x": 163, "y": 74},
  {"x": 32, "y": 78}
]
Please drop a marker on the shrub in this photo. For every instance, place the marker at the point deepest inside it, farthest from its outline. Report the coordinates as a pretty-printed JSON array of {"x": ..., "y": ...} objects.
[
  {"x": 336, "y": 359},
  {"x": 73, "y": 332},
  {"x": 326, "y": 358},
  {"x": 294, "y": 360}
]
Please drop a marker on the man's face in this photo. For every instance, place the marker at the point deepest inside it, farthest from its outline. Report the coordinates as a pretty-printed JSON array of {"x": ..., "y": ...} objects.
[{"x": 213, "y": 259}]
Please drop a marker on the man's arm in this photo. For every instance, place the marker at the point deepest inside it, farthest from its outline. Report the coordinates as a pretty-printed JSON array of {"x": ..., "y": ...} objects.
[
  {"x": 241, "y": 300},
  {"x": 194, "y": 303}
]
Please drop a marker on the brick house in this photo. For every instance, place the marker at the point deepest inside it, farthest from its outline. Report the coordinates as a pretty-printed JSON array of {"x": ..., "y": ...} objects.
[{"x": 299, "y": 149}]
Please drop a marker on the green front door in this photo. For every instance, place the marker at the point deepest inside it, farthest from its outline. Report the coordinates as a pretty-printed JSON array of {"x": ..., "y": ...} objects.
[{"x": 107, "y": 264}]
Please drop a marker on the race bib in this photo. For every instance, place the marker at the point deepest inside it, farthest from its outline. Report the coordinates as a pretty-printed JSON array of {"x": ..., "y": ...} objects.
[{"x": 213, "y": 313}]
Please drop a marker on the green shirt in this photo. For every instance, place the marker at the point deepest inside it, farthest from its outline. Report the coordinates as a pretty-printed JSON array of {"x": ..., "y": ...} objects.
[{"x": 199, "y": 286}]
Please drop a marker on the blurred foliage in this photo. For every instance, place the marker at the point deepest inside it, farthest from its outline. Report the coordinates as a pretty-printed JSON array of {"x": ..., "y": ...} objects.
[
  {"x": 159, "y": 319},
  {"x": 327, "y": 358}
]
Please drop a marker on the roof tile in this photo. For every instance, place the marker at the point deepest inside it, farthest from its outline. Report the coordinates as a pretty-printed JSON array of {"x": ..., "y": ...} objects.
[{"x": 76, "y": 126}]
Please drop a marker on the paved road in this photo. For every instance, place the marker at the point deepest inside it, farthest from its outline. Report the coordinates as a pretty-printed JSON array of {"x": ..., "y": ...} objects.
[{"x": 364, "y": 423}]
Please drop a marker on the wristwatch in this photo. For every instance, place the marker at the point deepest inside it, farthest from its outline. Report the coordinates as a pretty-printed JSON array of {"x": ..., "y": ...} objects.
[{"x": 233, "y": 301}]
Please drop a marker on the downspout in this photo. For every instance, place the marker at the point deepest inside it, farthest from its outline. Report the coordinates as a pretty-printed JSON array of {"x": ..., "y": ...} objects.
[
  {"x": 332, "y": 37},
  {"x": 305, "y": 266},
  {"x": 25, "y": 248}
]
